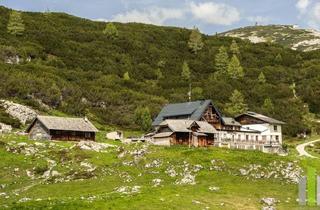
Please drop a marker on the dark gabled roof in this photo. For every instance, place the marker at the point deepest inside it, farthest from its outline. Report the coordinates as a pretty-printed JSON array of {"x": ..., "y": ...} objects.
[
  {"x": 262, "y": 118},
  {"x": 190, "y": 110},
  {"x": 65, "y": 124}
]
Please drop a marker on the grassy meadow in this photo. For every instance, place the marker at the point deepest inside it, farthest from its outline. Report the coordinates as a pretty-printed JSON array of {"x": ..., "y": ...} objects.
[{"x": 125, "y": 177}]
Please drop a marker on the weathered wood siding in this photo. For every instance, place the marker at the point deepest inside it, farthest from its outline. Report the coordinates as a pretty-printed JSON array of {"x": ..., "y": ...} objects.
[{"x": 247, "y": 120}]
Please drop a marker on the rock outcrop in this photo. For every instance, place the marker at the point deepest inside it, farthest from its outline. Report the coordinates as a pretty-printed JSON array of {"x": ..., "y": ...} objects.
[{"x": 22, "y": 113}]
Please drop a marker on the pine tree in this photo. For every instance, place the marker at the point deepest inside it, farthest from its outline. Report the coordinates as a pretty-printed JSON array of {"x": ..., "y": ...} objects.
[
  {"x": 126, "y": 76},
  {"x": 195, "y": 42},
  {"x": 186, "y": 74},
  {"x": 222, "y": 60},
  {"x": 111, "y": 31},
  {"x": 262, "y": 78},
  {"x": 143, "y": 118},
  {"x": 278, "y": 59},
  {"x": 234, "y": 48},
  {"x": 235, "y": 69},
  {"x": 15, "y": 25},
  {"x": 237, "y": 104},
  {"x": 268, "y": 106},
  {"x": 159, "y": 74}
]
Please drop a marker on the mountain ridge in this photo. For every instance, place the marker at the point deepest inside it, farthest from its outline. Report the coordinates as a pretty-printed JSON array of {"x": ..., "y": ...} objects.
[{"x": 290, "y": 36}]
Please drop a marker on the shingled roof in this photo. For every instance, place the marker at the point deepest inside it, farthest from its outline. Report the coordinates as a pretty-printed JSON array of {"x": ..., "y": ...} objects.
[
  {"x": 262, "y": 118},
  {"x": 184, "y": 126},
  {"x": 189, "y": 110},
  {"x": 65, "y": 124}
]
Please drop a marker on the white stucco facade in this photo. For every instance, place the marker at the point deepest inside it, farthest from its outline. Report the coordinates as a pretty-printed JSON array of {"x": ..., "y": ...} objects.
[{"x": 264, "y": 137}]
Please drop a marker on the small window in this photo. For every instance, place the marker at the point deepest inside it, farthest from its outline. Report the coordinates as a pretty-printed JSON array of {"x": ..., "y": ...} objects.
[
  {"x": 87, "y": 135},
  {"x": 277, "y": 138},
  {"x": 257, "y": 138},
  {"x": 275, "y": 128},
  {"x": 247, "y": 137}
]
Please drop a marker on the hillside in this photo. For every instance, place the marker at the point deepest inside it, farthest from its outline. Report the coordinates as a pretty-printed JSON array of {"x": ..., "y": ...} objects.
[
  {"x": 286, "y": 35},
  {"x": 68, "y": 64},
  {"x": 64, "y": 175}
]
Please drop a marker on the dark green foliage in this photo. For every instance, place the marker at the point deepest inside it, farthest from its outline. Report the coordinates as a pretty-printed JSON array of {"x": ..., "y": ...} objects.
[
  {"x": 6, "y": 119},
  {"x": 78, "y": 70},
  {"x": 143, "y": 118}
]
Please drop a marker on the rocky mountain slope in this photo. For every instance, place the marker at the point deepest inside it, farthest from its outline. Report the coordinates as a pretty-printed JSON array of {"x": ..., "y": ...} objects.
[{"x": 287, "y": 35}]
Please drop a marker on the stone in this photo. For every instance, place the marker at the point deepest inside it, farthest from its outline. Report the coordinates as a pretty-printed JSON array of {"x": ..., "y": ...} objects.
[
  {"x": 214, "y": 189},
  {"x": 18, "y": 111},
  {"x": 93, "y": 146},
  {"x": 156, "y": 182},
  {"x": 4, "y": 128},
  {"x": 269, "y": 201},
  {"x": 188, "y": 178}
]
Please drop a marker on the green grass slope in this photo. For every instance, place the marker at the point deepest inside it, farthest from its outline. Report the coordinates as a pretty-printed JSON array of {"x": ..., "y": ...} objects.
[
  {"x": 123, "y": 177},
  {"x": 78, "y": 70}
]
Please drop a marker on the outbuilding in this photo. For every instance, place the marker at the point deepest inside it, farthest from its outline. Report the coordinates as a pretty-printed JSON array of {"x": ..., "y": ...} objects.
[{"x": 61, "y": 128}]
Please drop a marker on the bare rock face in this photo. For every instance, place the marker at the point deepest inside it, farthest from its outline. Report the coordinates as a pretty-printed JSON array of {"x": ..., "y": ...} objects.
[
  {"x": 18, "y": 111},
  {"x": 5, "y": 128},
  {"x": 91, "y": 145}
]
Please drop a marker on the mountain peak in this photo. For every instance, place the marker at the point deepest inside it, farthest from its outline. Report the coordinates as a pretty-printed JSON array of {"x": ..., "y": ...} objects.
[{"x": 290, "y": 36}]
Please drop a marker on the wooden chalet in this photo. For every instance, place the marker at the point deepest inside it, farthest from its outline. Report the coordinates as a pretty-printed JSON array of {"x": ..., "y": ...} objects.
[
  {"x": 202, "y": 110},
  {"x": 61, "y": 128},
  {"x": 185, "y": 132}
]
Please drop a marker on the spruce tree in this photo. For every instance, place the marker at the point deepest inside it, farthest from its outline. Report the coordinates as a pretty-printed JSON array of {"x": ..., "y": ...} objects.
[
  {"x": 268, "y": 106},
  {"x": 126, "y": 76},
  {"x": 221, "y": 60},
  {"x": 15, "y": 25},
  {"x": 235, "y": 69},
  {"x": 195, "y": 42},
  {"x": 111, "y": 31},
  {"x": 143, "y": 118},
  {"x": 234, "y": 48},
  {"x": 159, "y": 74},
  {"x": 262, "y": 78},
  {"x": 278, "y": 59},
  {"x": 237, "y": 104},
  {"x": 185, "y": 74}
]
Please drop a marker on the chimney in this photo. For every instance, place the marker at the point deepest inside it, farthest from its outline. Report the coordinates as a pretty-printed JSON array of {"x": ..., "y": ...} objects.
[{"x": 86, "y": 119}]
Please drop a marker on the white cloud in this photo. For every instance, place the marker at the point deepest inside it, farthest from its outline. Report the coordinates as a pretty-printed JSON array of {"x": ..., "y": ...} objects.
[
  {"x": 155, "y": 15},
  {"x": 259, "y": 19},
  {"x": 215, "y": 13},
  {"x": 302, "y": 5},
  {"x": 314, "y": 16}
]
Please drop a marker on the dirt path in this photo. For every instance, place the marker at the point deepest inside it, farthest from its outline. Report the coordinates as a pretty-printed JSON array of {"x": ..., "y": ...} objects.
[{"x": 301, "y": 149}]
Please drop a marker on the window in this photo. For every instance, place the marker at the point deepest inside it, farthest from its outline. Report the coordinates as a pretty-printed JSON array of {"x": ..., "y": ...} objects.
[
  {"x": 275, "y": 128},
  {"x": 257, "y": 138},
  {"x": 277, "y": 138},
  {"x": 264, "y": 138},
  {"x": 247, "y": 137},
  {"x": 87, "y": 135}
]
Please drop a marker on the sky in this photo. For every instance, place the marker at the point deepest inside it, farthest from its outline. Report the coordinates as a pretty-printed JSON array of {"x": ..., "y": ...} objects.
[{"x": 210, "y": 16}]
